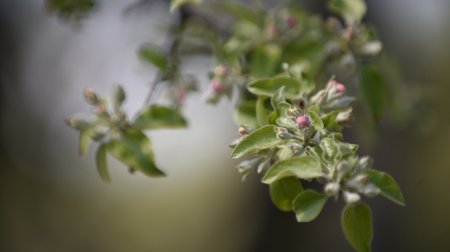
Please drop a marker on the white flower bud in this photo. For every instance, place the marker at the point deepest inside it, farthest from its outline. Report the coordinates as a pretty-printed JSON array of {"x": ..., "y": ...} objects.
[
  {"x": 351, "y": 197},
  {"x": 357, "y": 182},
  {"x": 372, "y": 48},
  {"x": 332, "y": 188},
  {"x": 364, "y": 163},
  {"x": 90, "y": 96},
  {"x": 371, "y": 190}
]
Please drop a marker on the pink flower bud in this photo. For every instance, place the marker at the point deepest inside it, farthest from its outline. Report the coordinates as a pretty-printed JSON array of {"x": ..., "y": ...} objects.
[
  {"x": 217, "y": 86},
  {"x": 242, "y": 131},
  {"x": 340, "y": 87},
  {"x": 220, "y": 70},
  {"x": 90, "y": 96},
  {"x": 291, "y": 22},
  {"x": 303, "y": 121},
  {"x": 272, "y": 30},
  {"x": 180, "y": 95}
]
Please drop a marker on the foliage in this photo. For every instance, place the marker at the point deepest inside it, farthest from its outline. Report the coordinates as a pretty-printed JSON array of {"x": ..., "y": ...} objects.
[{"x": 291, "y": 109}]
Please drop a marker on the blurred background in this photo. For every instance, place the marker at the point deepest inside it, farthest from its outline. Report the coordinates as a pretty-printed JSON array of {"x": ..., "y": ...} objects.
[{"x": 53, "y": 200}]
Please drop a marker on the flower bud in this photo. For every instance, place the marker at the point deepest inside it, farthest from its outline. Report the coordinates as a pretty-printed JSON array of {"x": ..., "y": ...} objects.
[
  {"x": 296, "y": 148},
  {"x": 180, "y": 95},
  {"x": 358, "y": 181},
  {"x": 351, "y": 197},
  {"x": 343, "y": 167},
  {"x": 340, "y": 87},
  {"x": 100, "y": 110},
  {"x": 243, "y": 130},
  {"x": 291, "y": 22},
  {"x": 76, "y": 123},
  {"x": 344, "y": 116},
  {"x": 283, "y": 133},
  {"x": 372, "y": 48},
  {"x": 332, "y": 188},
  {"x": 319, "y": 97},
  {"x": 371, "y": 190},
  {"x": 364, "y": 163},
  {"x": 217, "y": 86},
  {"x": 303, "y": 122},
  {"x": 90, "y": 96},
  {"x": 220, "y": 70},
  {"x": 118, "y": 96},
  {"x": 272, "y": 31}
]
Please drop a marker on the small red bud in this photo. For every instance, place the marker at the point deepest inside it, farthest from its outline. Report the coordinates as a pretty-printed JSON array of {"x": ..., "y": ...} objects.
[
  {"x": 100, "y": 110},
  {"x": 90, "y": 96},
  {"x": 340, "y": 87},
  {"x": 217, "y": 86},
  {"x": 272, "y": 30},
  {"x": 242, "y": 131},
  {"x": 291, "y": 22},
  {"x": 180, "y": 95},
  {"x": 220, "y": 70},
  {"x": 303, "y": 121}
]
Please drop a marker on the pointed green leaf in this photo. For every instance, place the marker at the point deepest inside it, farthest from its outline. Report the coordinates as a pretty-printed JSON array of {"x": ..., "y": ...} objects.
[
  {"x": 308, "y": 205},
  {"x": 157, "y": 117},
  {"x": 102, "y": 166},
  {"x": 246, "y": 114},
  {"x": 265, "y": 60},
  {"x": 239, "y": 11},
  {"x": 262, "y": 138},
  {"x": 293, "y": 88},
  {"x": 315, "y": 120},
  {"x": 154, "y": 56},
  {"x": 351, "y": 10},
  {"x": 301, "y": 167},
  {"x": 85, "y": 139},
  {"x": 357, "y": 226},
  {"x": 373, "y": 89},
  {"x": 284, "y": 191},
  {"x": 263, "y": 110},
  {"x": 387, "y": 185},
  {"x": 278, "y": 98},
  {"x": 135, "y": 150},
  {"x": 175, "y": 4}
]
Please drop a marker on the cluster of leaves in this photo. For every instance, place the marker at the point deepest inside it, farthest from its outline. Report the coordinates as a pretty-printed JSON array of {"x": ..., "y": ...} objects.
[
  {"x": 298, "y": 137},
  {"x": 271, "y": 62},
  {"x": 71, "y": 9},
  {"x": 120, "y": 137}
]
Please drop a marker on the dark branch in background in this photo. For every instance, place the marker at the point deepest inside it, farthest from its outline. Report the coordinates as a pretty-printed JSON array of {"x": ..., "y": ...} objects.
[{"x": 173, "y": 38}]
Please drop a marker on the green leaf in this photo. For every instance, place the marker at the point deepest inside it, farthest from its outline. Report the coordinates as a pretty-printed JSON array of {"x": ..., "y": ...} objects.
[
  {"x": 154, "y": 56},
  {"x": 175, "y": 4},
  {"x": 265, "y": 60},
  {"x": 157, "y": 117},
  {"x": 351, "y": 10},
  {"x": 102, "y": 166},
  {"x": 308, "y": 205},
  {"x": 315, "y": 120},
  {"x": 294, "y": 89},
  {"x": 388, "y": 186},
  {"x": 284, "y": 191},
  {"x": 301, "y": 167},
  {"x": 357, "y": 226},
  {"x": 263, "y": 110},
  {"x": 278, "y": 98},
  {"x": 135, "y": 150},
  {"x": 239, "y": 11},
  {"x": 373, "y": 89},
  {"x": 262, "y": 138},
  {"x": 329, "y": 146},
  {"x": 329, "y": 120},
  {"x": 85, "y": 139},
  {"x": 246, "y": 114}
]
